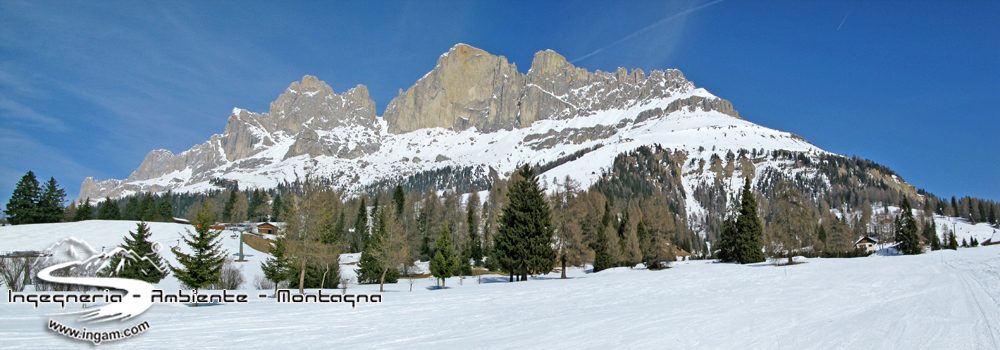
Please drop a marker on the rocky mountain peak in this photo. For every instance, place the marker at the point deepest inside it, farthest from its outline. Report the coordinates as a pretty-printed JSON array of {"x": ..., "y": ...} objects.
[{"x": 470, "y": 87}]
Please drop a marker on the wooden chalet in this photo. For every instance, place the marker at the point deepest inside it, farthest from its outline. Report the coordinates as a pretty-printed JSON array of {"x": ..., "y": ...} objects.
[
  {"x": 867, "y": 243},
  {"x": 267, "y": 228}
]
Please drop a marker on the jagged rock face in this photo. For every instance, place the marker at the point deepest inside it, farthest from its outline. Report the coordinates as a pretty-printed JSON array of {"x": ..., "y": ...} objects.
[
  {"x": 468, "y": 88},
  {"x": 303, "y": 108},
  {"x": 471, "y": 88}
]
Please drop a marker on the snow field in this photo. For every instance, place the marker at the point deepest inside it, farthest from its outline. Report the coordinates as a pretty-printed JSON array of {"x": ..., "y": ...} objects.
[{"x": 939, "y": 300}]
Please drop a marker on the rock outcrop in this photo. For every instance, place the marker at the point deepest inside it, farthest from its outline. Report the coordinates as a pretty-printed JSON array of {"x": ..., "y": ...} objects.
[{"x": 472, "y": 88}]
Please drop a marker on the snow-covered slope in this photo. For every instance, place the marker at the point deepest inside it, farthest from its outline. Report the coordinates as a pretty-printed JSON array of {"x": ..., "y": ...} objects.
[{"x": 940, "y": 300}]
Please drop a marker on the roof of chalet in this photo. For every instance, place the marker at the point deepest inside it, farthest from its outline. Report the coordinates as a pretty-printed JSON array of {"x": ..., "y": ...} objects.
[{"x": 868, "y": 238}]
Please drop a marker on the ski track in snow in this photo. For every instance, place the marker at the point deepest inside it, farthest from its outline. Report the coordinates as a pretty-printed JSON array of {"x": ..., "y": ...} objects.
[{"x": 938, "y": 300}]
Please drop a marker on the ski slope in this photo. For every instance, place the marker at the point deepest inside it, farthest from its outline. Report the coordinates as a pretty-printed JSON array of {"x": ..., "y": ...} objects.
[{"x": 939, "y": 300}]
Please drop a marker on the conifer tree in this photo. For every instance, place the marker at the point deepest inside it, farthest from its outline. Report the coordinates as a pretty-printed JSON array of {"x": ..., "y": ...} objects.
[
  {"x": 227, "y": 209},
  {"x": 140, "y": 261},
  {"x": 360, "y": 235},
  {"x": 952, "y": 242},
  {"x": 906, "y": 230},
  {"x": 108, "y": 210},
  {"x": 445, "y": 262},
  {"x": 475, "y": 247},
  {"x": 84, "y": 212},
  {"x": 399, "y": 200},
  {"x": 276, "y": 208},
  {"x": 370, "y": 268},
  {"x": 278, "y": 267},
  {"x": 165, "y": 210},
  {"x": 204, "y": 265},
  {"x": 930, "y": 234},
  {"x": 749, "y": 232},
  {"x": 602, "y": 256},
  {"x": 524, "y": 237},
  {"x": 50, "y": 204},
  {"x": 148, "y": 208},
  {"x": 22, "y": 208}
]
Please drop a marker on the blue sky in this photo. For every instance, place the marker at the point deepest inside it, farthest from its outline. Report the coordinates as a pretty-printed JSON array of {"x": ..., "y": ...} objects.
[{"x": 88, "y": 88}]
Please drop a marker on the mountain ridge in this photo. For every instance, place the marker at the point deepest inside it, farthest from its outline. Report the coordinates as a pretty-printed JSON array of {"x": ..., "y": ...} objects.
[{"x": 473, "y": 110}]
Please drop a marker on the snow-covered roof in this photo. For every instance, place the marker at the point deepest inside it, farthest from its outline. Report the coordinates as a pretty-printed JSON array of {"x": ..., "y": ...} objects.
[{"x": 869, "y": 238}]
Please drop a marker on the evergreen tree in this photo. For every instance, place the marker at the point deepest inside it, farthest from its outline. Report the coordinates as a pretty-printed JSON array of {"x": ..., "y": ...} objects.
[
  {"x": 148, "y": 208},
  {"x": 906, "y": 230},
  {"x": 952, "y": 242},
  {"x": 445, "y": 263},
  {"x": 132, "y": 210},
  {"x": 84, "y": 212},
  {"x": 749, "y": 232},
  {"x": 108, "y": 210},
  {"x": 821, "y": 233},
  {"x": 475, "y": 247},
  {"x": 165, "y": 211},
  {"x": 339, "y": 229},
  {"x": 602, "y": 256},
  {"x": 974, "y": 242},
  {"x": 524, "y": 234},
  {"x": 399, "y": 199},
  {"x": 276, "y": 208},
  {"x": 50, "y": 204},
  {"x": 204, "y": 265},
  {"x": 727, "y": 240},
  {"x": 370, "y": 269},
  {"x": 360, "y": 235},
  {"x": 993, "y": 215},
  {"x": 22, "y": 208},
  {"x": 140, "y": 261},
  {"x": 278, "y": 267},
  {"x": 227, "y": 209},
  {"x": 930, "y": 234}
]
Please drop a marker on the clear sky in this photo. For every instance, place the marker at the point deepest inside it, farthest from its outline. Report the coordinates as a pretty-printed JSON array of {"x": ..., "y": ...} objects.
[{"x": 88, "y": 88}]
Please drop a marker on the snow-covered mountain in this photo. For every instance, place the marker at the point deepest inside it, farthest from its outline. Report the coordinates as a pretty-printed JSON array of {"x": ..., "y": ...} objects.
[{"x": 474, "y": 111}]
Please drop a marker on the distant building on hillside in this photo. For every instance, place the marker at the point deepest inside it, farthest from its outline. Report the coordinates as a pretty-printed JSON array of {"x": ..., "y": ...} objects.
[
  {"x": 867, "y": 243},
  {"x": 992, "y": 240},
  {"x": 267, "y": 228}
]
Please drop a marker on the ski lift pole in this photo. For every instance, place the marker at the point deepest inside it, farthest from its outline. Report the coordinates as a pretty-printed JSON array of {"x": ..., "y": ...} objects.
[{"x": 241, "y": 246}]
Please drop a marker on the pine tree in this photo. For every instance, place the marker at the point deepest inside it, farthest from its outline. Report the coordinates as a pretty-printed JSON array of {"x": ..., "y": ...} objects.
[
  {"x": 993, "y": 215},
  {"x": 360, "y": 235},
  {"x": 50, "y": 204},
  {"x": 147, "y": 208},
  {"x": 749, "y": 232},
  {"x": 524, "y": 237},
  {"x": 84, "y": 212},
  {"x": 22, "y": 208},
  {"x": 227, "y": 209},
  {"x": 445, "y": 263},
  {"x": 165, "y": 210},
  {"x": 108, "y": 210},
  {"x": 475, "y": 246},
  {"x": 399, "y": 200},
  {"x": 974, "y": 242},
  {"x": 930, "y": 234},
  {"x": 906, "y": 230},
  {"x": 204, "y": 265},
  {"x": 602, "y": 256},
  {"x": 278, "y": 267},
  {"x": 132, "y": 210},
  {"x": 276, "y": 208},
  {"x": 146, "y": 263}
]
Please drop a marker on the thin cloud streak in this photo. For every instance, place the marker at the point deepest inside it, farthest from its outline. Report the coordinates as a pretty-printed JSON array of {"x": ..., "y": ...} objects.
[
  {"x": 845, "y": 18},
  {"x": 647, "y": 28}
]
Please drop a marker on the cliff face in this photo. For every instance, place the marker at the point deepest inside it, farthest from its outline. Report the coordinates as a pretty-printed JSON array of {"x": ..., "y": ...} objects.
[
  {"x": 311, "y": 129},
  {"x": 472, "y": 88}
]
